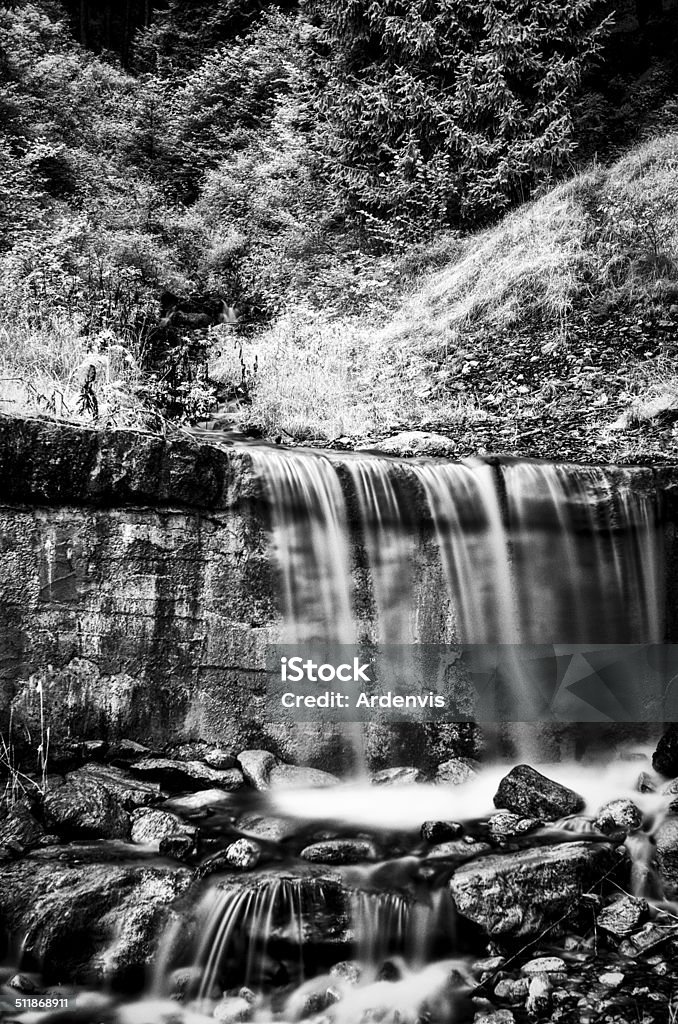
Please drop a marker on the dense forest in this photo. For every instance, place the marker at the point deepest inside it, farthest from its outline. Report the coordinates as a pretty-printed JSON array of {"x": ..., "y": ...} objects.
[{"x": 266, "y": 209}]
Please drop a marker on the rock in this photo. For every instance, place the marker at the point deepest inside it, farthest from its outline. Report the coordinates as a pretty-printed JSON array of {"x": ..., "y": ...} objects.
[
  {"x": 544, "y": 965},
  {"x": 340, "y": 851},
  {"x": 89, "y": 919},
  {"x": 129, "y": 792},
  {"x": 645, "y": 783},
  {"x": 150, "y": 825},
  {"x": 181, "y": 846},
  {"x": 665, "y": 757},
  {"x": 219, "y": 758},
  {"x": 519, "y": 894},
  {"x": 529, "y": 793},
  {"x": 397, "y": 776},
  {"x": 623, "y": 915},
  {"x": 619, "y": 814},
  {"x": 273, "y": 830},
  {"x": 256, "y": 767},
  {"x": 23, "y": 983},
  {"x": 263, "y": 771},
  {"x": 440, "y": 831},
  {"x": 646, "y": 939},
  {"x": 95, "y": 750},
  {"x": 459, "y": 850},
  {"x": 232, "y": 1010},
  {"x": 20, "y": 829},
  {"x": 187, "y": 775},
  {"x": 538, "y": 999},
  {"x": 613, "y": 979},
  {"x": 126, "y": 750},
  {"x": 512, "y": 990},
  {"x": 244, "y": 854},
  {"x": 505, "y": 824},
  {"x": 198, "y": 804},
  {"x": 487, "y": 966},
  {"x": 415, "y": 442},
  {"x": 348, "y": 971},
  {"x": 666, "y": 855},
  {"x": 456, "y": 770},
  {"x": 496, "y": 1017},
  {"x": 84, "y": 809}
]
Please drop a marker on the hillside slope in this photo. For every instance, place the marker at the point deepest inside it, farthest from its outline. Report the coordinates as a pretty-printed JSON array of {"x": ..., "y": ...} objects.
[{"x": 555, "y": 333}]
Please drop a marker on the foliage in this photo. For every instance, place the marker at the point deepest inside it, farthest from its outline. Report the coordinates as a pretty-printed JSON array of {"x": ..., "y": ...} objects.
[{"x": 447, "y": 113}]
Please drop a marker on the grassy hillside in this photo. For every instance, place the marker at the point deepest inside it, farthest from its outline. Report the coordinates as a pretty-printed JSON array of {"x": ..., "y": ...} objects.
[{"x": 554, "y": 333}]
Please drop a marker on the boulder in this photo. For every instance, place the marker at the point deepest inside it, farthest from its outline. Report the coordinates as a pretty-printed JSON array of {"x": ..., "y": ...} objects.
[
  {"x": 85, "y": 809},
  {"x": 127, "y": 791},
  {"x": 619, "y": 814},
  {"x": 622, "y": 916},
  {"x": 666, "y": 855},
  {"x": 211, "y": 755},
  {"x": 150, "y": 825},
  {"x": 273, "y": 830},
  {"x": 456, "y": 770},
  {"x": 187, "y": 775},
  {"x": 263, "y": 771},
  {"x": 440, "y": 831},
  {"x": 256, "y": 767},
  {"x": 505, "y": 824},
  {"x": 340, "y": 851},
  {"x": 517, "y": 895},
  {"x": 84, "y": 915},
  {"x": 20, "y": 830},
  {"x": 125, "y": 751},
  {"x": 198, "y": 805},
  {"x": 244, "y": 854},
  {"x": 398, "y": 776},
  {"x": 665, "y": 757},
  {"x": 532, "y": 795}
]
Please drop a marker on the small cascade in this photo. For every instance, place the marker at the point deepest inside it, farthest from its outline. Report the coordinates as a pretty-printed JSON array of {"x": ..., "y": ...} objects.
[{"x": 503, "y": 535}]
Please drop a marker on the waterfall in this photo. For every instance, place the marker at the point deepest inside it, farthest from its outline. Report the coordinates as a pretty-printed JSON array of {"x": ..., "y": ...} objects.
[{"x": 529, "y": 552}]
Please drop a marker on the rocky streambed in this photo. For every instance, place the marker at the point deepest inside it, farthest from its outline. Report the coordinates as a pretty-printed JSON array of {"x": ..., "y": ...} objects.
[{"x": 151, "y": 885}]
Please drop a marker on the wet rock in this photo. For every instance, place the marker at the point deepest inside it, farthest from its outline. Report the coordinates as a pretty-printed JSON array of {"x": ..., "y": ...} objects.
[
  {"x": 20, "y": 829},
  {"x": 398, "y": 776},
  {"x": 180, "y": 846},
  {"x": 519, "y": 894},
  {"x": 187, "y": 775},
  {"x": 666, "y": 855},
  {"x": 619, "y": 814},
  {"x": 645, "y": 783},
  {"x": 218, "y": 757},
  {"x": 256, "y": 766},
  {"x": 456, "y": 770},
  {"x": 340, "y": 851},
  {"x": 23, "y": 983},
  {"x": 150, "y": 825},
  {"x": 646, "y": 939},
  {"x": 544, "y": 965},
  {"x": 273, "y": 830},
  {"x": 232, "y": 1010},
  {"x": 244, "y": 854},
  {"x": 440, "y": 831},
  {"x": 495, "y": 1017},
  {"x": 83, "y": 808},
  {"x": 506, "y": 824},
  {"x": 348, "y": 971},
  {"x": 459, "y": 850},
  {"x": 665, "y": 757},
  {"x": 84, "y": 919},
  {"x": 129, "y": 792},
  {"x": 538, "y": 1000},
  {"x": 126, "y": 751},
  {"x": 414, "y": 442},
  {"x": 199, "y": 804},
  {"x": 263, "y": 771},
  {"x": 529, "y": 793},
  {"x": 487, "y": 966},
  {"x": 612, "y": 979},
  {"x": 623, "y": 915}
]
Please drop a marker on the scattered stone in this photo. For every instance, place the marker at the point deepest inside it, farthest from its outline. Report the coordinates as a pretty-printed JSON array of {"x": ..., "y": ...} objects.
[
  {"x": 150, "y": 825},
  {"x": 505, "y": 824},
  {"x": 348, "y": 971},
  {"x": 456, "y": 770},
  {"x": 665, "y": 757},
  {"x": 126, "y": 750},
  {"x": 619, "y": 814},
  {"x": 529, "y": 793},
  {"x": 623, "y": 915},
  {"x": 519, "y": 894},
  {"x": 496, "y": 1017},
  {"x": 84, "y": 809},
  {"x": 340, "y": 851},
  {"x": 20, "y": 829},
  {"x": 219, "y": 758},
  {"x": 398, "y": 776},
  {"x": 180, "y": 846},
  {"x": 666, "y": 855},
  {"x": 440, "y": 831},
  {"x": 649, "y": 937},
  {"x": 538, "y": 1000},
  {"x": 645, "y": 783},
  {"x": 488, "y": 965},
  {"x": 232, "y": 1010},
  {"x": 544, "y": 965},
  {"x": 512, "y": 990},
  {"x": 198, "y": 804},
  {"x": 131, "y": 793},
  {"x": 243, "y": 854},
  {"x": 460, "y": 850},
  {"x": 414, "y": 442},
  {"x": 612, "y": 979},
  {"x": 263, "y": 771},
  {"x": 273, "y": 830},
  {"x": 187, "y": 775},
  {"x": 23, "y": 983}
]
